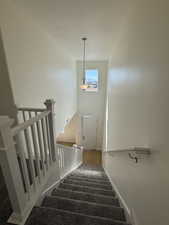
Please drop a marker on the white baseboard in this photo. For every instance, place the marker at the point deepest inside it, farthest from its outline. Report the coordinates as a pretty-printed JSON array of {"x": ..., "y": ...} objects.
[
  {"x": 75, "y": 167},
  {"x": 121, "y": 199}
]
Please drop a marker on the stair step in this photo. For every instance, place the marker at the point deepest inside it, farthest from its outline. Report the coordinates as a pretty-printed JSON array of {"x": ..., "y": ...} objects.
[
  {"x": 94, "y": 178},
  {"x": 86, "y": 208},
  {"x": 87, "y": 189},
  {"x": 97, "y": 181},
  {"x": 89, "y": 177},
  {"x": 49, "y": 216},
  {"x": 107, "y": 200},
  {"x": 87, "y": 183},
  {"x": 87, "y": 169}
]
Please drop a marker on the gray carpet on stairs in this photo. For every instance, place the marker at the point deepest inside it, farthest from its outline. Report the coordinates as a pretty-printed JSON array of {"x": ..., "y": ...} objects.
[{"x": 84, "y": 197}]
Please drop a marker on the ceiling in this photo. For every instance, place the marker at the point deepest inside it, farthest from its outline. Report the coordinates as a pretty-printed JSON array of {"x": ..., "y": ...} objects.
[{"x": 69, "y": 20}]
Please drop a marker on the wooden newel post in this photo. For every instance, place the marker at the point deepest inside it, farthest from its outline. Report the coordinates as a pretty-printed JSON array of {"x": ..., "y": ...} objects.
[
  {"x": 11, "y": 171},
  {"x": 50, "y": 106}
]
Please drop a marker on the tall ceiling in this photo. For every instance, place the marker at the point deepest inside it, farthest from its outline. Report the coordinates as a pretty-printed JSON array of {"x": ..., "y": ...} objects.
[{"x": 69, "y": 20}]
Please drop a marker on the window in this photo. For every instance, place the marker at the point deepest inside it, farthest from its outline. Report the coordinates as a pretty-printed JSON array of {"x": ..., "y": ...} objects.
[{"x": 92, "y": 79}]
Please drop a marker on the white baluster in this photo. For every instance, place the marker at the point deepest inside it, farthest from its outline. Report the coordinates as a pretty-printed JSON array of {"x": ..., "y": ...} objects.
[
  {"x": 50, "y": 106},
  {"x": 41, "y": 146},
  {"x": 45, "y": 142}
]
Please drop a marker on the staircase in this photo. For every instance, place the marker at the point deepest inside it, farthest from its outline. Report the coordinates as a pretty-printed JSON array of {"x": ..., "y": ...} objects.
[
  {"x": 84, "y": 197},
  {"x": 29, "y": 157}
]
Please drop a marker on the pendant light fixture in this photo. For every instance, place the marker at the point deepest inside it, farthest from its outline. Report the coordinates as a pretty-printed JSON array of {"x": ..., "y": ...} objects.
[{"x": 84, "y": 85}]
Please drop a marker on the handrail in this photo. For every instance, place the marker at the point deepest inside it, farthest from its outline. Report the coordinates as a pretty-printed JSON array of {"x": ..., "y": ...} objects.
[
  {"x": 68, "y": 147},
  {"x": 29, "y": 109},
  {"x": 63, "y": 146},
  {"x": 133, "y": 152},
  {"x": 137, "y": 150},
  {"x": 80, "y": 147},
  {"x": 28, "y": 123}
]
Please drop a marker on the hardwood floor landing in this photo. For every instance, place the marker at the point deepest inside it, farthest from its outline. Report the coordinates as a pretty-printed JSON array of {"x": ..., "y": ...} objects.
[{"x": 92, "y": 157}]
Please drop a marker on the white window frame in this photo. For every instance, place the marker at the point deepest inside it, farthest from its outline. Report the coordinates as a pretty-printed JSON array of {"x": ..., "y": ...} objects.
[{"x": 98, "y": 87}]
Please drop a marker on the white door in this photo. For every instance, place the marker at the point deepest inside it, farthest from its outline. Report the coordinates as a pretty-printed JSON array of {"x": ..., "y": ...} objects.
[{"x": 89, "y": 130}]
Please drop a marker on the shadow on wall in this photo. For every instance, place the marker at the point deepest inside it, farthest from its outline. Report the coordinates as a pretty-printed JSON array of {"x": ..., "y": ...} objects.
[{"x": 6, "y": 96}]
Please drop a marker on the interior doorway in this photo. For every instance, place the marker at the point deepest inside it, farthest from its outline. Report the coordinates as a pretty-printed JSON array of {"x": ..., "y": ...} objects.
[{"x": 89, "y": 132}]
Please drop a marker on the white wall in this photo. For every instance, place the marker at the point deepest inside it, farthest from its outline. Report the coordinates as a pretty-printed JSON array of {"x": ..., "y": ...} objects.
[
  {"x": 93, "y": 102},
  {"x": 38, "y": 65},
  {"x": 138, "y": 111}
]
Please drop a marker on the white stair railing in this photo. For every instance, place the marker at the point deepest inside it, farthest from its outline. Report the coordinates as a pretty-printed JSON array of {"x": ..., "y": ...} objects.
[
  {"x": 69, "y": 158},
  {"x": 27, "y": 156}
]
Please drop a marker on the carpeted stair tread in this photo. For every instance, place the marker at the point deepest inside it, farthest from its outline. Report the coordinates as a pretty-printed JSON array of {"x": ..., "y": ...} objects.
[
  {"x": 90, "y": 179},
  {"x": 87, "y": 183},
  {"x": 80, "y": 175},
  {"x": 87, "y": 189},
  {"x": 85, "y": 166},
  {"x": 86, "y": 208},
  {"x": 49, "y": 216},
  {"x": 90, "y": 197},
  {"x": 90, "y": 170},
  {"x": 90, "y": 174},
  {"x": 79, "y": 179}
]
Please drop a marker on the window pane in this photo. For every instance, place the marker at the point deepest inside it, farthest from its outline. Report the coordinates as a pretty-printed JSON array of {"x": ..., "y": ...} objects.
[{"x": 91, "y": 77}]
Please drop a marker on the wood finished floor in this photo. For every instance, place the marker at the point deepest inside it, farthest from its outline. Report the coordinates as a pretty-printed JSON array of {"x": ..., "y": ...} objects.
[{"x": 92, "y": 157}]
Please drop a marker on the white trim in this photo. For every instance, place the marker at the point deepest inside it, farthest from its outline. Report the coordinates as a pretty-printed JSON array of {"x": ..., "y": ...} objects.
[
  {"x": 49, "y": 189},
  {"x": 123, "y": 203},
  {"x": 53, "y": 186},
  {"x": 74, "y": 168},
  {"x": 133, "y": 218}
]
